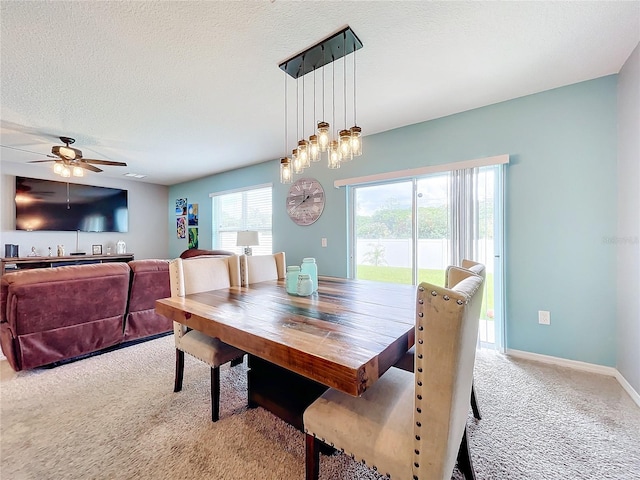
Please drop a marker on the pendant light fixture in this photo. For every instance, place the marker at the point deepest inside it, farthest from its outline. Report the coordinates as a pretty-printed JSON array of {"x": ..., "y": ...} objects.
[
  {"x": 346, "y": 142},
  {"x": 323, "y": 126},
  {"x": 356, "y": 132},
  {"x": 303, "y": 145},
  {"x": 314, "y": 148},
  {"x": 286, "y": 173},
  {"x": 333, "y": 160},
  {"x": 344, "y": 134}
]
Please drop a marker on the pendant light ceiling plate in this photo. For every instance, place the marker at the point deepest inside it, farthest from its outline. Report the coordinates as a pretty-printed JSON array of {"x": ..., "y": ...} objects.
[{"x": 322, "y": 53}]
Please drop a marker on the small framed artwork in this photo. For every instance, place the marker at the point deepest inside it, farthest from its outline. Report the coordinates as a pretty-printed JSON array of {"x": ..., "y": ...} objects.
[
  {"x": 181, "y": 227},
  {"x": 96, "y": 249},
  {"x": 193, "y": 237},
  {"x": 181, "y": 206},
  {"x": 192, "y": 214}
]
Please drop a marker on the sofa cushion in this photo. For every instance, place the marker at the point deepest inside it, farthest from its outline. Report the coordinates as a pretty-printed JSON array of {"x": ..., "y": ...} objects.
[
  {"x": 149, "y": 282},
  {"x": 59, "y": 313}
]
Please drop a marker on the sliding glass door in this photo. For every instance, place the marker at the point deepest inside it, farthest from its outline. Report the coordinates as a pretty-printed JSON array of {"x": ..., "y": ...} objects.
[
  {"x": 384, "y": 232},
  {"x": 408, "y": 231}
]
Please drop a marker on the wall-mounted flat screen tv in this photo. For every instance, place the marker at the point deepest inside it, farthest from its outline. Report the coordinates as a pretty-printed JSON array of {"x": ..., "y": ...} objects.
[{"x": 62, "y": 206}]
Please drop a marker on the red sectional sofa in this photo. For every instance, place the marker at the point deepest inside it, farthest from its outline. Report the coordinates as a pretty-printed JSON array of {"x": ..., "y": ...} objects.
[{"x": 49, "y": 315}]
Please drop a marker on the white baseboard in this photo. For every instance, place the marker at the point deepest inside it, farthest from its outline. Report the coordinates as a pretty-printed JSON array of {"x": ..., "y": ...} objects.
[
  {"x": 628, "y": 388},
  {"x": 584, "y": 366}
]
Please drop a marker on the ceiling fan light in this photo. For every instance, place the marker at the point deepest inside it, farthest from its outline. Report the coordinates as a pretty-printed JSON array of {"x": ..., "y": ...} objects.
[
  {"x": 78, "y": 171},
  {"x": 66, "y": 172},
  {"x": 67, "y": 152},
  {"x": 57, "y": 168}
]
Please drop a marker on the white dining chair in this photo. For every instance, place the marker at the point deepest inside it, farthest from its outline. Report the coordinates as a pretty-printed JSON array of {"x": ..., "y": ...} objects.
[
  {"x": 453, "y": 276},
  {"x": 410, "y": 426},
  {"x": 195, "y": 275},
  {"x": 260, "y": 268}
]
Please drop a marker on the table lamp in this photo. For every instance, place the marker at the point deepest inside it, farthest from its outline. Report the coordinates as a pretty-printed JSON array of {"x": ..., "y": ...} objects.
[{"x": 246, "y": 239}]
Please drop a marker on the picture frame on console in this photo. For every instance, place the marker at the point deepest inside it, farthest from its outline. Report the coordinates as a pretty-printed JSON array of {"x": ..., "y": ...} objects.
[{"x": 96, "y": 249}]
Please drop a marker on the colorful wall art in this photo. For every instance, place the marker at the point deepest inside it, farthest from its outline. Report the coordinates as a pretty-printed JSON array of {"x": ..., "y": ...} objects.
[{"x": 181, "y": 227}]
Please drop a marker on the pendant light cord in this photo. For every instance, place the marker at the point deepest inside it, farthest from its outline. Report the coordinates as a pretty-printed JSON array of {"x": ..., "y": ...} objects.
[
  {"x": 354, "y": 86},
  {"x": 344, "y": 74},
  {"x": 286, "y": 124},
  {"x": 303, "y": 95},
  {"x": 323, "y": 65},
  {"x": 333, "y": 89}
]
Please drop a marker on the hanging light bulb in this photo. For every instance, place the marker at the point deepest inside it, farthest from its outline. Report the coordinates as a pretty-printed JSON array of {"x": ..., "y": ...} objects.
[
  {"x": 356, "y": 132},
  {"x": 314, "y": 148},
  {"x": 295, "y": 162},
  {"x": 286, "y": 172},
  {"x": 66, "y": 173},
  {"x": 345, "y": 145},
  {"x": 334, "y": 155},
  {"x": 286, "y": 175},
  {"x": 303, "y": 145},
  {"x": 323, "y": 127},
  {"x": 356, "y": 141},
  {"x": 303, "y": 153},
  {"x": 323, "y": 136},
  {"x": 78, "y": 171},
  {"x": 344, "y": 136},
  {"x": 57, "y": 168},
  {"x": 334, "y": 148}
]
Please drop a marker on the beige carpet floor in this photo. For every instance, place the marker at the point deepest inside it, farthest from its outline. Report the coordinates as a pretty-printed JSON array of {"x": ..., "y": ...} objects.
[{"x": 115, "y": 416}]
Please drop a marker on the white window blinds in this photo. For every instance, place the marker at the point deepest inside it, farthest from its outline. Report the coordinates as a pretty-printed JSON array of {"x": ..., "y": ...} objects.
[{"x": 246, "y": 209}]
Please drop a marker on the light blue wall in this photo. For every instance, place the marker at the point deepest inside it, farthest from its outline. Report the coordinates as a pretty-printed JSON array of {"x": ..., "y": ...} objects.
[{"x": 561, "y": 205}]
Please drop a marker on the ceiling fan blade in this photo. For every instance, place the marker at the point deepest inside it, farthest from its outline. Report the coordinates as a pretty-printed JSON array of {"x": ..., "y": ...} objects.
[
  {"x": 89, "y": 167},
  {"x": 104, "y": 162},
  {"x": 27, "y": 151},
  {"x": 40, "y": 161}
]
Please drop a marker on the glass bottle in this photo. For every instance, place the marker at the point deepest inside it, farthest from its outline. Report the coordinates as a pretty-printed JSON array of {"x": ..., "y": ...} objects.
[
  {"x": 292, "y": 279},
  {"x": 309, "y": 267},
  {"x": 305, "y": 285}
]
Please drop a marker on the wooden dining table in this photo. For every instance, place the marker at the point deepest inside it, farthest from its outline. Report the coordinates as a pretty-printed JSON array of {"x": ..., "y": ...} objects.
[{"x": 344, "y": 336}]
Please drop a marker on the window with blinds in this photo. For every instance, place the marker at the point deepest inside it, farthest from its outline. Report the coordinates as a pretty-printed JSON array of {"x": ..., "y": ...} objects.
[{"x": 246, "y": 209}]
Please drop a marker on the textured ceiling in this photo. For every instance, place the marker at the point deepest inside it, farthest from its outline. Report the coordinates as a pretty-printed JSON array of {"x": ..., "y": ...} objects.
[{"x": 180, "y": 90}]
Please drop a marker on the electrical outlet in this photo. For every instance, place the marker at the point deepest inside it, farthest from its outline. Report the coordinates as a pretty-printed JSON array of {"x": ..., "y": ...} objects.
[
  {"x": 544, "y": 317},
  {"x": 324, "y": 242}
]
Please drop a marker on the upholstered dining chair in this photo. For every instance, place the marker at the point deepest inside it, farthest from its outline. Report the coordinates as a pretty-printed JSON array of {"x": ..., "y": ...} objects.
[
  {"x": 194, "y": 275},
  {"x": 453, "y": 276},
  {"x": 410, "y": 426},
  {"x": 260, "y": 268}
]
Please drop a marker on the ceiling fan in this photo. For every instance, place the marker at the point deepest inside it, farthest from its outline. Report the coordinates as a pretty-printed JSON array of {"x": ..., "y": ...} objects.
[{"x": 69, "y": 160}]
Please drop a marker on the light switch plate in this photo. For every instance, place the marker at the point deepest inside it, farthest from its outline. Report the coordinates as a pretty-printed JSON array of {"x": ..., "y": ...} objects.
[{"x": 544, "y": 317}]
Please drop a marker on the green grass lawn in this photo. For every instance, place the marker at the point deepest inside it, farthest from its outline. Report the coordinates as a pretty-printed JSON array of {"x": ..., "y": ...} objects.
[{"x": 436, "y": 277}]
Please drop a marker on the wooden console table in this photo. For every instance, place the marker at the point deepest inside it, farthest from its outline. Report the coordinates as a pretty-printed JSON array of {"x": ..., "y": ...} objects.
[{"x": 8, "y": 264}]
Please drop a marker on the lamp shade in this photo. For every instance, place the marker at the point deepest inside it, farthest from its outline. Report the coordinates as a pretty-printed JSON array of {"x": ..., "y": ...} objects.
[{"x": 247, "y": 238}]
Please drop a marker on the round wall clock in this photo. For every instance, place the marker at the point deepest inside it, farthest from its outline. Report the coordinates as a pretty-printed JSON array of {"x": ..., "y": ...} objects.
[{"x": 305, "y": 201}]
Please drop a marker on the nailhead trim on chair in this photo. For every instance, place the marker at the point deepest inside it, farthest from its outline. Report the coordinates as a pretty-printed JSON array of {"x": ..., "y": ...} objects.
[
  {"x": 420, "y": 341},
  {"x": 352, "y": 455}
]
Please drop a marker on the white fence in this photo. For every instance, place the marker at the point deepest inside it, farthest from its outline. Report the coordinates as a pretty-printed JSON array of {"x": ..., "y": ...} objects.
[{"x": 432, "y": 254}]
